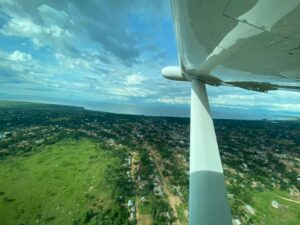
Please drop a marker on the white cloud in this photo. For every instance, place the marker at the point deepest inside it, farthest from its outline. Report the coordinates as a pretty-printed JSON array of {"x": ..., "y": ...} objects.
[
  {"x": 288, "y": 107},
  {"x": 134, "y": 79},
  {"x": 74, "y": 63},
  {"x": 93, "y": 49},
  {"x": 172, "y": 100},
  {"x": 57, "y": 32},
  {"x": 129, "y": 91},
  {"x": 19, "y": 66},
  {"x": 50, "y": 16},
  {"x": 21, "y": 27},
  {"x": 50, "y": 34},
  {"x": 272, "y": 101},
  {"x": 19, "y": 56}
]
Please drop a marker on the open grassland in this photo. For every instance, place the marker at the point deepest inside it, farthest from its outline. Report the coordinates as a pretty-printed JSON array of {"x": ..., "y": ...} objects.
[
  {"x": 56, "y": 185},
  {"x": 288, "y": 212},
  {"x": 180, "y": 213}
]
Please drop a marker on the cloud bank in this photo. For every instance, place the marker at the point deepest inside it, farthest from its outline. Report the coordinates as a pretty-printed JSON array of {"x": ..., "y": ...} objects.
[{"x": 102, "y": 51}]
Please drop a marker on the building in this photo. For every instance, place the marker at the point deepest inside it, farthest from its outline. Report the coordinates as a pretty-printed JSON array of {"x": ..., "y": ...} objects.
[
  {"x": 275, "y": 204},
  {"x": 249, "y": 209},
  {"x": 130, "y": 203},
  {"x": 143, "y": 199},
  {"x": 132, "y": 217},
  {"x": 237, "y": 222}
]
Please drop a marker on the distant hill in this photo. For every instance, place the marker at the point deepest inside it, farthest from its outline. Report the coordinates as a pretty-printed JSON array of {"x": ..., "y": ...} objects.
[{"x": 33, "y": 105}]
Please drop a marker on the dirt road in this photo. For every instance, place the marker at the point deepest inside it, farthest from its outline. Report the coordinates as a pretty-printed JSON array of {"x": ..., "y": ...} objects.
[{"x": 172, "y": 199}]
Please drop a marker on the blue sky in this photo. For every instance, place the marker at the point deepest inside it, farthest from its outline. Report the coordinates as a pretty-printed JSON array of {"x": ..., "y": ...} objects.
[{"x": 107, "y": 55}]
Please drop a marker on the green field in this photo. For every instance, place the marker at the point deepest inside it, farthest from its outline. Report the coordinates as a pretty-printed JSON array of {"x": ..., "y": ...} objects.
[
  {"x": 180, "y": 212},
  {"x": 56, "y": 185},
  {"x": 288, "y": 213}
]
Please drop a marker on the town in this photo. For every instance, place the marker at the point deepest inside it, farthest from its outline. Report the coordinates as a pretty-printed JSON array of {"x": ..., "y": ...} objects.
[{"x": 261, "y": 161}]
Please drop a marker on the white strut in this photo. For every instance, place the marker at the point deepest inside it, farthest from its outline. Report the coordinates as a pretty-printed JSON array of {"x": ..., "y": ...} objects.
[{"x": 207, "y": 193}]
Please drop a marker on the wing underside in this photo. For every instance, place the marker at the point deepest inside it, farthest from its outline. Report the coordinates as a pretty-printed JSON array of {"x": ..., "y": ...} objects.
[{"x": 252, "y": 44}]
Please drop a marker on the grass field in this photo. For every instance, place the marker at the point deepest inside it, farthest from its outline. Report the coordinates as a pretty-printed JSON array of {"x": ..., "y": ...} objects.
[
  {"x": 288, "y": 213},
  {"x": 56, "y": 185},
  {"x": 180, "y": 212}
]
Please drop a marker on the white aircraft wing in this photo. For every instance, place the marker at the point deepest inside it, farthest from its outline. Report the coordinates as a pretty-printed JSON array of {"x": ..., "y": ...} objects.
[{"x": 253, "y": 44}]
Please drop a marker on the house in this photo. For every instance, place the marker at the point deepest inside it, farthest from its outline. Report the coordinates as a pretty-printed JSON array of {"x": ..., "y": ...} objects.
[
  {"x": 6, "y": 134},
  {"x": 129, "y": 161},
  {"x": 236, "y": 222},
  {"x": 111, "y": 142},
  {"x": 158, "y": 190},
  {"x": 143, "y": 199},
  {"x": 131, "y": 218},
  {"x": 23, "y": 143},
  {"x": 230, "y": 196},
  {"x": 130, "y": 203},
  {"x": 249, "y": 209},
  {"x": 275, "y": 204},
  {"x": 39, "y": 141}
]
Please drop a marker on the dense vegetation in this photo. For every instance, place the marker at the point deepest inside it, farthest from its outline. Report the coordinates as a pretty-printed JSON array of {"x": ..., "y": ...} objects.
[{"x": 140, "y": 166}]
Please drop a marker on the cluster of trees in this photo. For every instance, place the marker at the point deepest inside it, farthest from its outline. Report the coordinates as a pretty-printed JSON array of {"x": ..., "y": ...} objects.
[
  {"x": 242, "y": 196},
  {"x": 146, "y": 169},
  {"x": 12, "y": 143},
  {"x": 161, "y": 211},
  {"x": 121, "y": 189},
  {"x": 159, "y": 208}
]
